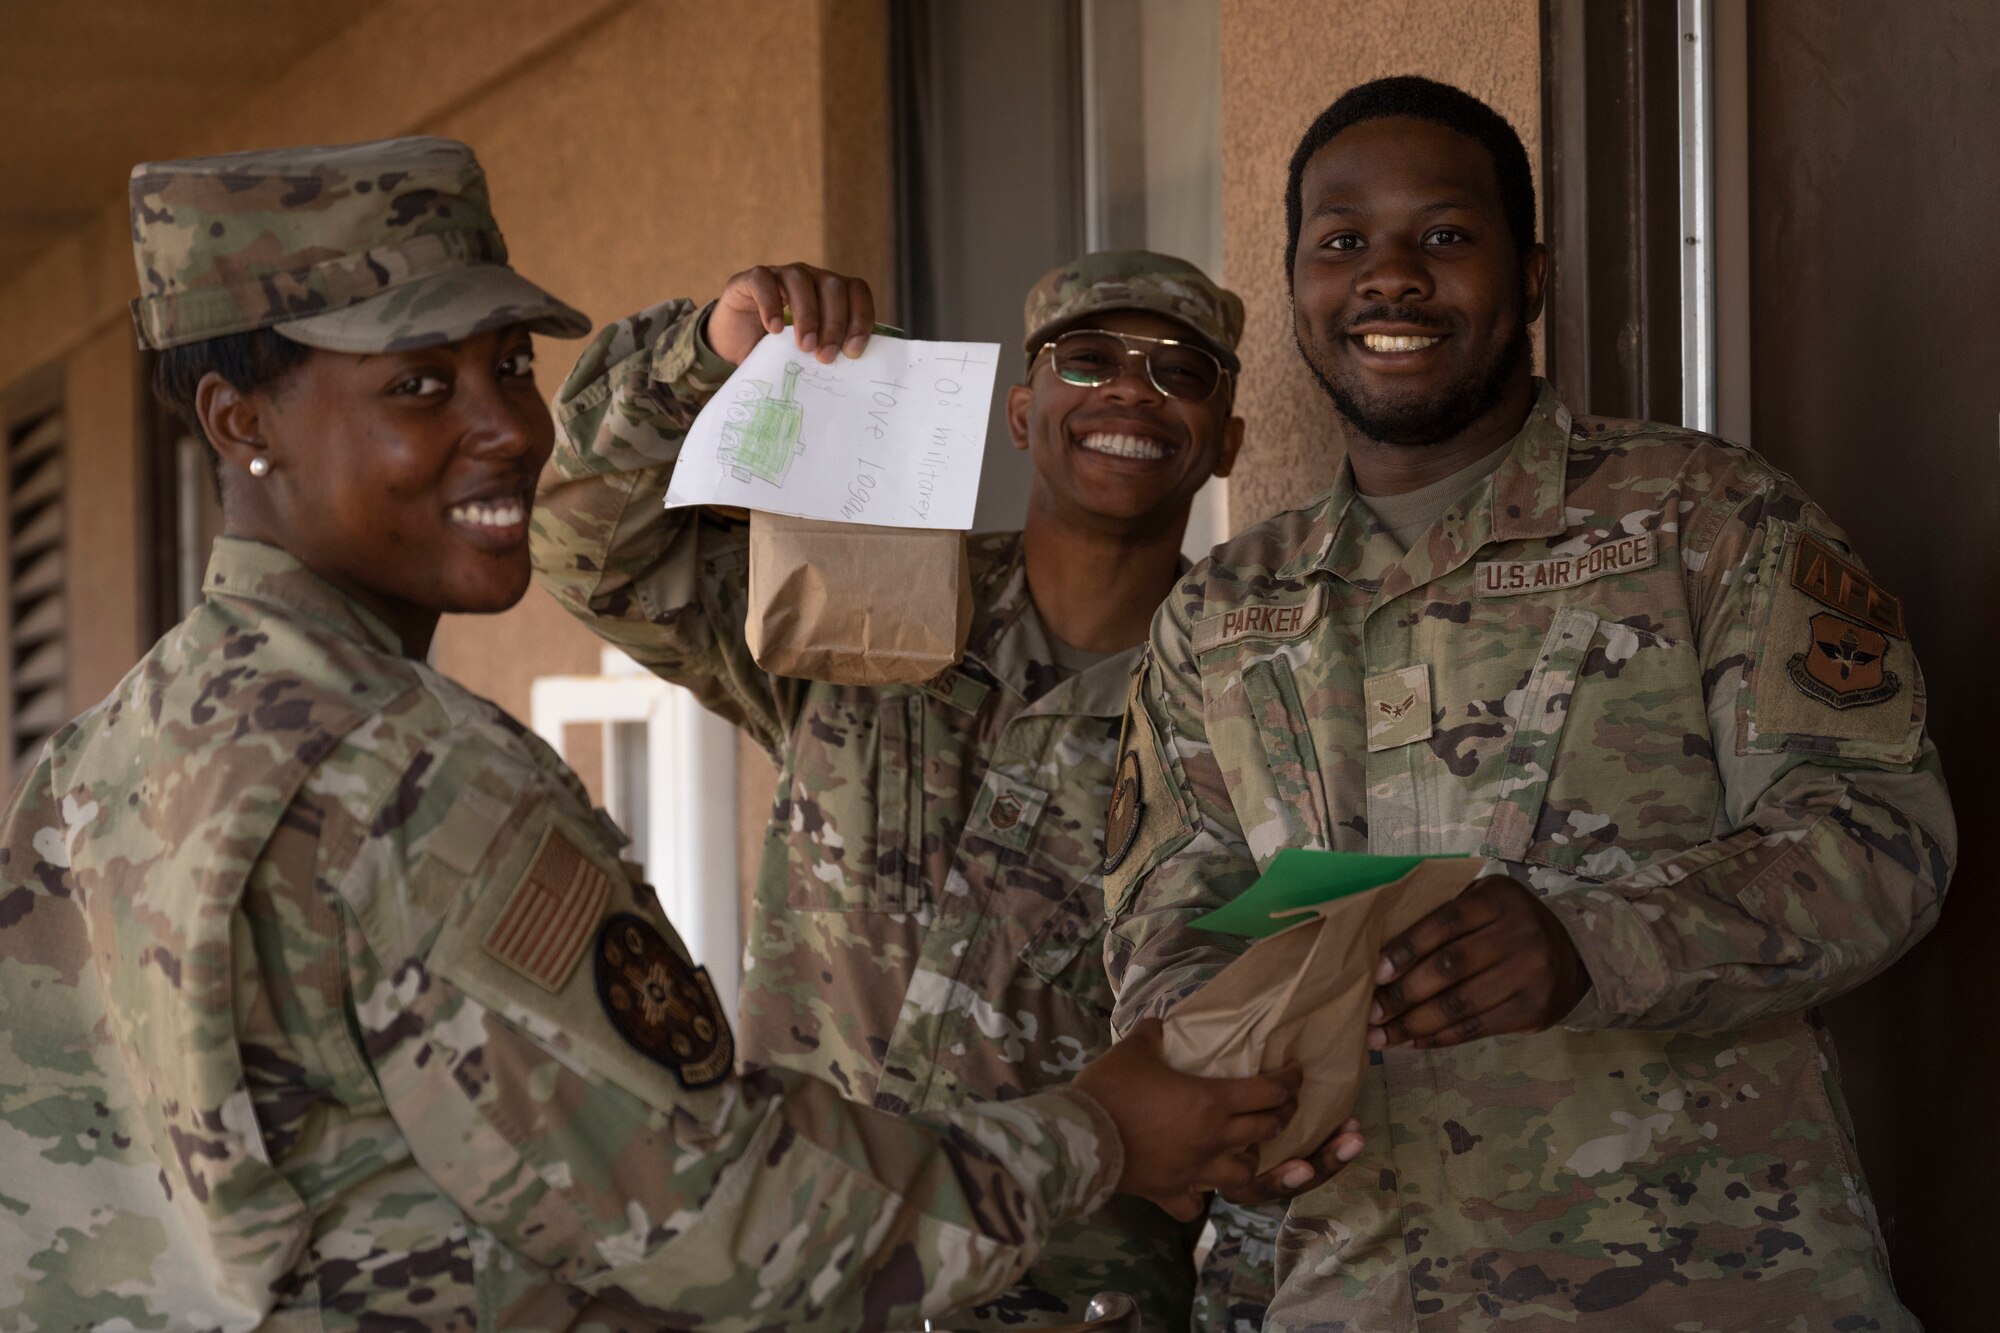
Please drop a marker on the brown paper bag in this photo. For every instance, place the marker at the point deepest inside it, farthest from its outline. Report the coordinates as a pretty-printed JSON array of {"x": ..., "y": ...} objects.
[
  {"x": 1302, "y": 995},
  {"x": 856, "y": 605}
]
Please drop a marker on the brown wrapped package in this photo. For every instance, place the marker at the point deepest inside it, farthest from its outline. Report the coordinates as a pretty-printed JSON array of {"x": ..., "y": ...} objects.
[
  {"x": 856, "y": 605},
  {"x": 1302, "y": 996}
]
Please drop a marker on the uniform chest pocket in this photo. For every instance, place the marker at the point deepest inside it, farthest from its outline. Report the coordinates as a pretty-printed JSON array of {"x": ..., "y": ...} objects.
[
  {"x": 1064, "y": 950},
  {"x": 1287, "y": 794},
  {"x": 1610, "y": 762},
  {"x": 856, "y": 808},
  {"x": 1038, "y": 852}
]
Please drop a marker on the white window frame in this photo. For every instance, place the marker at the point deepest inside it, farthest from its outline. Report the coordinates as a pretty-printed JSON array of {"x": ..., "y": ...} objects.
[
  {"x": 690, "y": 798},
  {"x": 1152, "y": 87},
  {"x": 1715, "y": 217}
]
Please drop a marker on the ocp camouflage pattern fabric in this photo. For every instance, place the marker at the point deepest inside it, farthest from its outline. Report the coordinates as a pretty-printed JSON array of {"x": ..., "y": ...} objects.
[
  {"x": 270, "y": 1062},
  {"x": 929, "y": 910},
  {"x": 363, "y": 247},
  {"x": 1588, "y": 672}
]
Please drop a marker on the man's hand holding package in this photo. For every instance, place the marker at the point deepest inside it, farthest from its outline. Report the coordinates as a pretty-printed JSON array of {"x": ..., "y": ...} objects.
[
  {"x": 832, "y": 313},
  {"x": 1489, "y": 962}
]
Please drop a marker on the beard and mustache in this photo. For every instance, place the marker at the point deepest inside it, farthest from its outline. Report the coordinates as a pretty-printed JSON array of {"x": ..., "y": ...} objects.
[{"x": 1421, "y": 419}]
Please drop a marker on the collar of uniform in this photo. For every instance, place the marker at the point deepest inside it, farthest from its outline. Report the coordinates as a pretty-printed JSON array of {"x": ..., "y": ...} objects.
[
  {"x": 1523, "y": 499},
  {"x": 1007, "y": 636},
  {"x": 1100, "y": 690},
  {"x": 253, "y": 572},
  {"x": 1009, "y": 640},
  {"x": 1529, "y": 489}
]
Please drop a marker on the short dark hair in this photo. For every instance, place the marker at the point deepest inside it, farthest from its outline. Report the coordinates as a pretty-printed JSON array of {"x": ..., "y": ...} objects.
[
  {"x": 1421, "y": 99},
  {"x": 259, "y": 359}
]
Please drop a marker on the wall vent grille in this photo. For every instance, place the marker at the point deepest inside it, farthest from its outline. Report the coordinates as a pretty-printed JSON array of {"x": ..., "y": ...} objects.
[{"x": 37, "y": 604}]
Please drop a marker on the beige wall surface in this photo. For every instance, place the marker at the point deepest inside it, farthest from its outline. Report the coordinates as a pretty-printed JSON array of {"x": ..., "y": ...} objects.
[
  {"x": 1282, "y": 63},
  {"x": 618, "y": 187}
]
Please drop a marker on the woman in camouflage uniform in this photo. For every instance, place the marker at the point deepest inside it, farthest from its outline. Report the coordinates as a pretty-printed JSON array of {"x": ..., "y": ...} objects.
[{"x": 329, "y": 1001}]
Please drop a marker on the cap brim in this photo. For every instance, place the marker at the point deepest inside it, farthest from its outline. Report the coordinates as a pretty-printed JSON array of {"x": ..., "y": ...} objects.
[
  {"x": 441, "y": 308},
  {"x": 1033, "y": 342}
]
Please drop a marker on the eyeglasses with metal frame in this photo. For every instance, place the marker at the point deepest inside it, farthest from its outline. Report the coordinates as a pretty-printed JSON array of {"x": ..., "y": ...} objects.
[{"x": 1089, "y": 358}]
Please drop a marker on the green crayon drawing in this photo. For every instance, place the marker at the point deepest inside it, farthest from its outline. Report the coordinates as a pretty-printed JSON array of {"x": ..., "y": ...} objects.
[{"x": 762, "y": 436}]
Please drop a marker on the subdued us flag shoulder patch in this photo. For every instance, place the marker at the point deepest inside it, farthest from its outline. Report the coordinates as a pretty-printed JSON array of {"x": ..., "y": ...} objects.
[{"x": 552, "y": 914}]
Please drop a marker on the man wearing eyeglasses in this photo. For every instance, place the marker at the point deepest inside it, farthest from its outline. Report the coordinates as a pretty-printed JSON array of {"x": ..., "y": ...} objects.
[{"x": 974, "y": 969}]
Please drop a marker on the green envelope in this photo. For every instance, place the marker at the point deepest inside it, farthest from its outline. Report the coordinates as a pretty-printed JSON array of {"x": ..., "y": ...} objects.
[{"x": 1300, "y": 877}]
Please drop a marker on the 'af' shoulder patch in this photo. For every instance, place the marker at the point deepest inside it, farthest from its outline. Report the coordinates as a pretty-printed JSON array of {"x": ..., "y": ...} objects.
[
  {"x": 1826, "y": 576},
  {"x": 542, "y": 931},
  {"x": 663, "y": 1005}
]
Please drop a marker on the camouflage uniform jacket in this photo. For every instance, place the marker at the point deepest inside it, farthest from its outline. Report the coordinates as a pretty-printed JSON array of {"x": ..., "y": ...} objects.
[
  {"x": 928, "y": 915},
  {"x": 1637, "y": 669},
  {"x": 265, "y": 1065}
]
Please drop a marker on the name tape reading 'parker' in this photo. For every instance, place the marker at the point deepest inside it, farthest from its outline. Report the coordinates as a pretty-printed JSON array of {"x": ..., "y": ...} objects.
[
  {"x": 1627, "y": 555},
  {"x": 1266, "y": 620}
]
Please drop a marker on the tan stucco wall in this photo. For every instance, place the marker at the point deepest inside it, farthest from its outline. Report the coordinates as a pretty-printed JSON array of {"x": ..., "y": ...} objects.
[
  {"x": 1282, "y": 62},
  {"x": 618, "y": 187}
]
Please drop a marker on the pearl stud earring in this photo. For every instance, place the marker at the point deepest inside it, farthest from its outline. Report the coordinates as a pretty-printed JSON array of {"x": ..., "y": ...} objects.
[{"x": 260, "y": 466}]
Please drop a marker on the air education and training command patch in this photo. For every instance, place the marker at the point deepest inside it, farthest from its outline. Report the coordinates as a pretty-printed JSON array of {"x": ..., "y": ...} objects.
[
  {"x": 662, "y": 1004},
  {"x": 1843, "y": 668},
  {"x": 1121, "y": 825},
  {"x": 1843, "y": 664}
]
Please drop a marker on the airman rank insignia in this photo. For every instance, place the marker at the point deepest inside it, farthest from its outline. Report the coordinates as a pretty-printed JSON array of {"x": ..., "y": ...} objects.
[
  {"x": 1399, "y": 707},
  {"x": 663, "y": 1005},
  {"x": 1121, "y": 825},
  {"x": 1843, "y": 666}
]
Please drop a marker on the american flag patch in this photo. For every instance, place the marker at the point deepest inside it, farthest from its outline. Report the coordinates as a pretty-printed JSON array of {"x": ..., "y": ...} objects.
[{"x": 552, "y": 914}]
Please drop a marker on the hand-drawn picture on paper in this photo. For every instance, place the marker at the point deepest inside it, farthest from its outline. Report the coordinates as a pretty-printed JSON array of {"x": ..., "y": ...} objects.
[
  {"x": 891, "y": 438},
  {"x": 760, "y": 435}
]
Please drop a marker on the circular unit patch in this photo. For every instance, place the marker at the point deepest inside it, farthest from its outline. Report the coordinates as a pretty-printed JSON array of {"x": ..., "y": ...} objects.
[
  {"x": 662, "y": 1004},
  {"x": 1121, "y": 825}
]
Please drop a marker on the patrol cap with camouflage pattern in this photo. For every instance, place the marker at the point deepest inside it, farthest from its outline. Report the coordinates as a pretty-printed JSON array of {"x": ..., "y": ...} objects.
[
  {"x": 1135, "y": 280},
  {"x": 367, "y": 247}
]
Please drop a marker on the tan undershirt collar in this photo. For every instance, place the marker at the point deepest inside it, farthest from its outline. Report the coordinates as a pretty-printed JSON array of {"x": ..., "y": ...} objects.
[{"x": 1408, "y": 516}]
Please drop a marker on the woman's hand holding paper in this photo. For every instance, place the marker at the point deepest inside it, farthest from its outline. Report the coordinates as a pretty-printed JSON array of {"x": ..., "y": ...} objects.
[{"x": 1489, "y": 962}]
